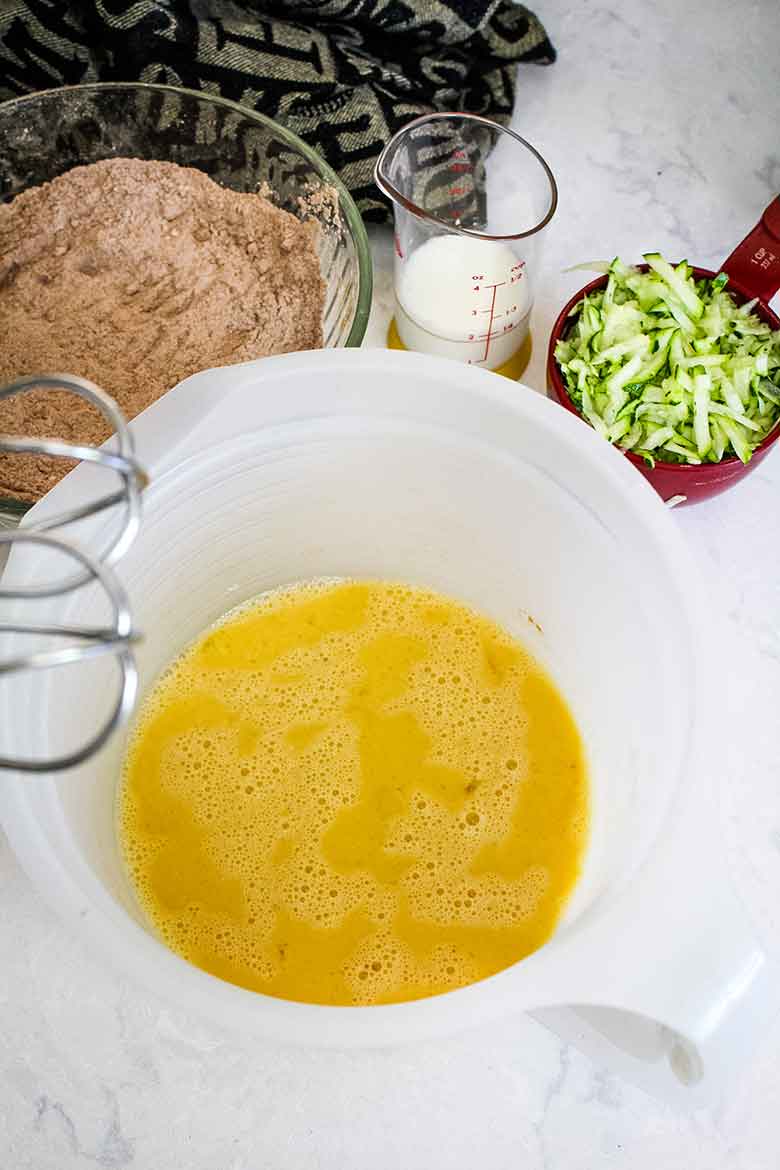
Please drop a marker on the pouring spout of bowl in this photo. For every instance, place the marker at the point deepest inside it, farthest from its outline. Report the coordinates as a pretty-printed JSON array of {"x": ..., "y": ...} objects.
[{"x": 755, "y": 263}]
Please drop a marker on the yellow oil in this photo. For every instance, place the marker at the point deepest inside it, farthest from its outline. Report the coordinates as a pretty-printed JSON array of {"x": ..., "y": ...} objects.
[
  {"x": 513, "y": 369},
  {"x": 354, "y": 793}
]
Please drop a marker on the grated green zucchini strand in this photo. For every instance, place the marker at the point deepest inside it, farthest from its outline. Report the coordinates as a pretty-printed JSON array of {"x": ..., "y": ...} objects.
[{"x": 670, "y": 367}]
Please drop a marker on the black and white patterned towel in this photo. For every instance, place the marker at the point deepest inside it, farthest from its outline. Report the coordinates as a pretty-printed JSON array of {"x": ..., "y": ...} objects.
[{"x": 343, "y": 74}]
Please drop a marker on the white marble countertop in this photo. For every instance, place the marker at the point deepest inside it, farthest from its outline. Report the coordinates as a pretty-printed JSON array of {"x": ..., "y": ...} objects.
[{"x": 660, "y": 123}]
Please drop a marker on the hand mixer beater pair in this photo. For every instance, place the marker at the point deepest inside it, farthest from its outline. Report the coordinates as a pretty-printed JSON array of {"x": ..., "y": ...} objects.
[{"x": 29, "y": 641}]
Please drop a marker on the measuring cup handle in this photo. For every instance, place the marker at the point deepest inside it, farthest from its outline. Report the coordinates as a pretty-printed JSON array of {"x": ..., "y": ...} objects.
[{"x": 755, "y": 263}]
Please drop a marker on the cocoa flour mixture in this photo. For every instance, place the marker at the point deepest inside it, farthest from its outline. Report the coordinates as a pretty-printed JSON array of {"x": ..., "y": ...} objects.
[{"x": 136, "y": 274}]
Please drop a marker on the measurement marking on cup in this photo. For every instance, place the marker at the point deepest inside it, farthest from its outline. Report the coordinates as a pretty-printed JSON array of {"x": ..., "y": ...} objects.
[
  {"x": 501, "y": 331},
  {"x": 449, "y": 303},
  {"x": 495, "y": 333},
  {"x": 491, "y": 310},
  {"x": 501, "y": 321}
]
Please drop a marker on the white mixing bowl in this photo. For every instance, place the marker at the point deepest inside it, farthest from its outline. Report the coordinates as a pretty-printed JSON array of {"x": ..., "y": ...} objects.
[{"x": 396, "y": 466}]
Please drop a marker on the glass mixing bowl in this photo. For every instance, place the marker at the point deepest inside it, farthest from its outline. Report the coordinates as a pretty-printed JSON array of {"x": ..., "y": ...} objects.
[{"x": 44, "y": 134}]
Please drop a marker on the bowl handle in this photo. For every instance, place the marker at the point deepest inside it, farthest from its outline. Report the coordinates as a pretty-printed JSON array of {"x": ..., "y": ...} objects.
[
  {"x": 676, "y": 951},
  {"x": 755, "y": 263}
]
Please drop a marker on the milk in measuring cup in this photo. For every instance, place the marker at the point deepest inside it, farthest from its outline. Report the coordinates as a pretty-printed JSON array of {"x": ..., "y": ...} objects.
[{"x": 463, "y": 298}]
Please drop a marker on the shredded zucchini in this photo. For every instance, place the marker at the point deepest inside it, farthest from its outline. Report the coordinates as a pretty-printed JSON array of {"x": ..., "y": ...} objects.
[{"x": 670, "y": 367}]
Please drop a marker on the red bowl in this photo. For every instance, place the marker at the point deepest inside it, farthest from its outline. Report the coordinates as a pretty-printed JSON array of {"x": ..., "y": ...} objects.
[{"x": 691, "y": 481}]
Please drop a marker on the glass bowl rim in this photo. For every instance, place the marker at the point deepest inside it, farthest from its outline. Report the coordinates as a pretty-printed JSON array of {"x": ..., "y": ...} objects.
[{"x": 14, "y": 507}]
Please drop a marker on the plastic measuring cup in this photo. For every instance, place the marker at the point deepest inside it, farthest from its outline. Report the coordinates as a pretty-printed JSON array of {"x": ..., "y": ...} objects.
[{"x": 470, "y": 200}]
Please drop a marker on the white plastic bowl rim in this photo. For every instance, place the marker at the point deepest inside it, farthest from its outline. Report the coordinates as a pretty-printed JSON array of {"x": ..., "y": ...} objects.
[{"x": 369, "y": 463}]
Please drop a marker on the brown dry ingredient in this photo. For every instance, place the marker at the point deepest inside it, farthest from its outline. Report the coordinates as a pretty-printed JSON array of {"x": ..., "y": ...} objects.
[
  {"x": 135, "y": 275},
  {"x": 321, "y": 202}
]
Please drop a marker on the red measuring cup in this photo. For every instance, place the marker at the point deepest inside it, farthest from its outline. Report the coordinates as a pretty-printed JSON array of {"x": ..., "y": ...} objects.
[{"x": 753, "y": 269}]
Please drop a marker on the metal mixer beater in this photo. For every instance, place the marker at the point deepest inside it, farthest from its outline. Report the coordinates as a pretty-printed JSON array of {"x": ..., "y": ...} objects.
[{"x": 27, "y": 644}]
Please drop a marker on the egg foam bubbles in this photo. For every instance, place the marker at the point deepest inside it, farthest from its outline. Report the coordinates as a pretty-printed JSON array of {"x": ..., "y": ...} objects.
[{"x": 353, "y": 792}]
